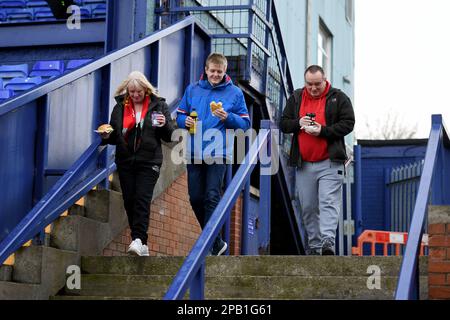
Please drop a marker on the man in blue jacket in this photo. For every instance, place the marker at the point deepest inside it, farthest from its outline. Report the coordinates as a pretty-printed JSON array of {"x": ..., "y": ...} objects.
[{"x": 220, "y": 105}]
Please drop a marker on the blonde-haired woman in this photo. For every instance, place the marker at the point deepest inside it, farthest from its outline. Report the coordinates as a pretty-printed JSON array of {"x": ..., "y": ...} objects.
[{"x": 140, "y": 120}]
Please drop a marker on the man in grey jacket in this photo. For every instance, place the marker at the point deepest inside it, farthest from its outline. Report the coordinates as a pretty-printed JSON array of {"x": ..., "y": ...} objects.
[{"x": 319, "y": 116}]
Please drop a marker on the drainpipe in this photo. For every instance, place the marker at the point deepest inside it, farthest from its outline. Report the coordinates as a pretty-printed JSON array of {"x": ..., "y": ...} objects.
[{"x": 309, "y": 5}]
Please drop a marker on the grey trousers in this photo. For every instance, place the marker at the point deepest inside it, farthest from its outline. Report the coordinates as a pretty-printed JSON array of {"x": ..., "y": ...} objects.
[{"x": 319, "y": 189}]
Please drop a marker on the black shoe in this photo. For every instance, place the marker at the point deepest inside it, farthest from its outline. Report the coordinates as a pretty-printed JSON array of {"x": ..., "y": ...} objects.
[
  {"x": 328, "y": 249},
  {"x": 219, "y": 248},
  {"x": 312, "y": 253}
]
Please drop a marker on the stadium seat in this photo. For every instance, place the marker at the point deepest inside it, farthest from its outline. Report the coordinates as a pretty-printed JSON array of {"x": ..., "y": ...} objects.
[
  {"x": 13, "y": 4},
  {"x": 90, "y": 2},
  {"x": 13, "y": 71},
  {"x": 2, "y": 15},
  {"x": 1, "y": 83},
  {"x": 19, "y": 15},
  {"x": 47, "y": 69},
  {"x": 36, "y": 3},
  {"x": 99, "y": 11},
  {"x": 43, "y": 14},
  {"x": 5, "y": 94},
  {"x": 73, "y": 64},
  {"x": 22, "y": 84}
]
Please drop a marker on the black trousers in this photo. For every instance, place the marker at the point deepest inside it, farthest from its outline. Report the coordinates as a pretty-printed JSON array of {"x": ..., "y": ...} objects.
[{"x": 137, "y": 181}]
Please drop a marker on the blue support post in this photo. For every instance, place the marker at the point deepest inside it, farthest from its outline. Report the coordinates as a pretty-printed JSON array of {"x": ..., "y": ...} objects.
[
  {"x": 227, "y": 227},
  {"x": 245, "y": 210},
  {"x": 41, "y": 158},
  {"x": 387, "y": 200},
  {"x": 358, "y": 191},
  {"x": 106, "y": 158},
  {"x": 265, "y": 181},
  {"x": 197, "y": 291},
  {"x": 247, "y": 74}
]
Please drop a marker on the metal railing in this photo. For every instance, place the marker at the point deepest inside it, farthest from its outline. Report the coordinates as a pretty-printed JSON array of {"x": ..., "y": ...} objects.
[
  {"x": 192, "y": 272},
  {"x": 402, "y": 184},
  {"x": 436, "y": 174}
]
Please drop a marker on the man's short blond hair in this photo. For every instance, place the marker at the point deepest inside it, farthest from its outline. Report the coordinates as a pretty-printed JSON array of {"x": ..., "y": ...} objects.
[{"x": 216, "y": 58}]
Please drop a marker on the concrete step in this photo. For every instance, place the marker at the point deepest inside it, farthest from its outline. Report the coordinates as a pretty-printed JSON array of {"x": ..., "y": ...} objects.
[
  {"x": 19, "y": 291},
  {"x": 239, "y": 287},
  {"x": 249, "y": 265}
]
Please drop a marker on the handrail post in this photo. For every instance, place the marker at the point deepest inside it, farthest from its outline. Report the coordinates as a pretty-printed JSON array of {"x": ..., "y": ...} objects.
[
  {"x": 227, "y": 227},
  {"x": 197, "y": 291},
  {"x": 358, "y": 191},
  {"x": 245, "y": 209},
  {"x": 265, "y": 181}
]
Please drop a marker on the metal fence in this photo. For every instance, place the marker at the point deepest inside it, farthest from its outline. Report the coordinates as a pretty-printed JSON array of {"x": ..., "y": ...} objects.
[{"x": 402, "y": 184}]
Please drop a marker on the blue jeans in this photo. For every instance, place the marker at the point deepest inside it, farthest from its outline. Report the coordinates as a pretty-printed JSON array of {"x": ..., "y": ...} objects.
[{"x": 205, "y": 190}]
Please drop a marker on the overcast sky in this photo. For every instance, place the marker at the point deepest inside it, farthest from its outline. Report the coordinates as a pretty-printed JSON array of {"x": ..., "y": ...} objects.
[{"x": 402, "y": 62}]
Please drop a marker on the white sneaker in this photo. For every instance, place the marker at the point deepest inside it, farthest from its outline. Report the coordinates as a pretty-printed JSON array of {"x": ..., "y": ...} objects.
[
  {"x": 135, "y": 247},
  {"x": 144, "y": 251}
]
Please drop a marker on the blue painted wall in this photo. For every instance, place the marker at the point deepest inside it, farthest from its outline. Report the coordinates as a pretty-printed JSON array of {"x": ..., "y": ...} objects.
[{"x": 375, "y": 159}]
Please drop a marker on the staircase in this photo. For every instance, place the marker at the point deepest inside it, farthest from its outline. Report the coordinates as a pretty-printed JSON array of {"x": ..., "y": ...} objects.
[
  {"x": 241, "y": 277},
  {"x": 40, "y": 271}
]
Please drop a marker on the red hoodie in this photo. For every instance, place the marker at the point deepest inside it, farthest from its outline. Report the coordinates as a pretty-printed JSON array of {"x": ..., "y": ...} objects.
[{"x": 313, "y": 149}]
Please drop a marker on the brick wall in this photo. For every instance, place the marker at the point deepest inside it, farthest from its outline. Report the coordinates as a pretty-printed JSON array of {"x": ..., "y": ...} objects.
[
  {"x": 173, "y": 228},
  {"x": 439, "y": 256}
]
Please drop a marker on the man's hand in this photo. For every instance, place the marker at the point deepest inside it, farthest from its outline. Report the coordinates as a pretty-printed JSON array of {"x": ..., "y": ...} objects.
[
  {"x": 305, "y": 122},
  {"x": 189, "y": 122},
  {"x": 221, "y": 114},
  {"x": 313, "y": 130}
]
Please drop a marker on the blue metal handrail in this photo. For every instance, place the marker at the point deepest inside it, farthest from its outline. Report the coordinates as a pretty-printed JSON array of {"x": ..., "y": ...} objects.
[
  {"x": 408, "y": 282},
  {"x": 74, "y": 184},
  {"x": 193, "y": 268}
]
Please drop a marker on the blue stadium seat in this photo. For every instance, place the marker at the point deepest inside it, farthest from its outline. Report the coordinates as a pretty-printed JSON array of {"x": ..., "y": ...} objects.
[
  {"x": 13, "y": 4},
  {"x": 36, "y": 3},
  {"x": 47, "y": 69},
  {"x": 1, "y": 83},
  {"x": 43, "y": 14},
  {"x": 5, "y": 94},
  {"x": 13, "y": 71},
  {"x": 2, "y": 15},
  {"x": 19, "y": 15},
  {"x": 99, "y": 11},
  {"x": 85, "y": 12},
  {"x": 90, "y": 2},
  {"x": 22, "y": 84},
  {"x": 73, "y": 64}
]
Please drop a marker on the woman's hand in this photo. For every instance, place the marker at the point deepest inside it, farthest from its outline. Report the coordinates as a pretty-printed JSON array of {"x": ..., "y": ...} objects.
[{"x": 161, "y": 120}]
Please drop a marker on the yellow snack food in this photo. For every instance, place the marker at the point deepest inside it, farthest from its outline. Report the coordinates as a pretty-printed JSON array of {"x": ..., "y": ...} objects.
[{"x": 215, "y": 106}]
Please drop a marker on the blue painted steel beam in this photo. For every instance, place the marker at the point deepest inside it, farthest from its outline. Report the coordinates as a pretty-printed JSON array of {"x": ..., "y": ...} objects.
[
  {"x": 407, "y": 287},
  {"x": 45, "y": 88},
  {"x": 197, "y": 256},
  {"x": 358, "y": 191},
  {"x": 51, "y": 34}
]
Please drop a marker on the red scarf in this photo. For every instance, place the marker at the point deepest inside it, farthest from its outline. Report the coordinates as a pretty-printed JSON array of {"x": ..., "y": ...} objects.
[
  {"x": 312, "y": 148},
  {"x": 129, "y": 115}
]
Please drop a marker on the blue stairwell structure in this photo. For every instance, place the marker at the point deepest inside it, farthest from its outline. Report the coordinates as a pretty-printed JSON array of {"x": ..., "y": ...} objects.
[{"x": 53, "y": 157}]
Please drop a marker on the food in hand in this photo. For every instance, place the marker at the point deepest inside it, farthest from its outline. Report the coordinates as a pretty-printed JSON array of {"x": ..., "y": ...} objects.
[
  {"x": 215, "y": 106},
  {"x": 105, "y": 128}
]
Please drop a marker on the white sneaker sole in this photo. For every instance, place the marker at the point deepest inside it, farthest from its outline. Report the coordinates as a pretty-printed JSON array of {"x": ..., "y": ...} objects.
[
  {"x": 133, "y": 252},
  {"x": 224, "y": 248}
]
